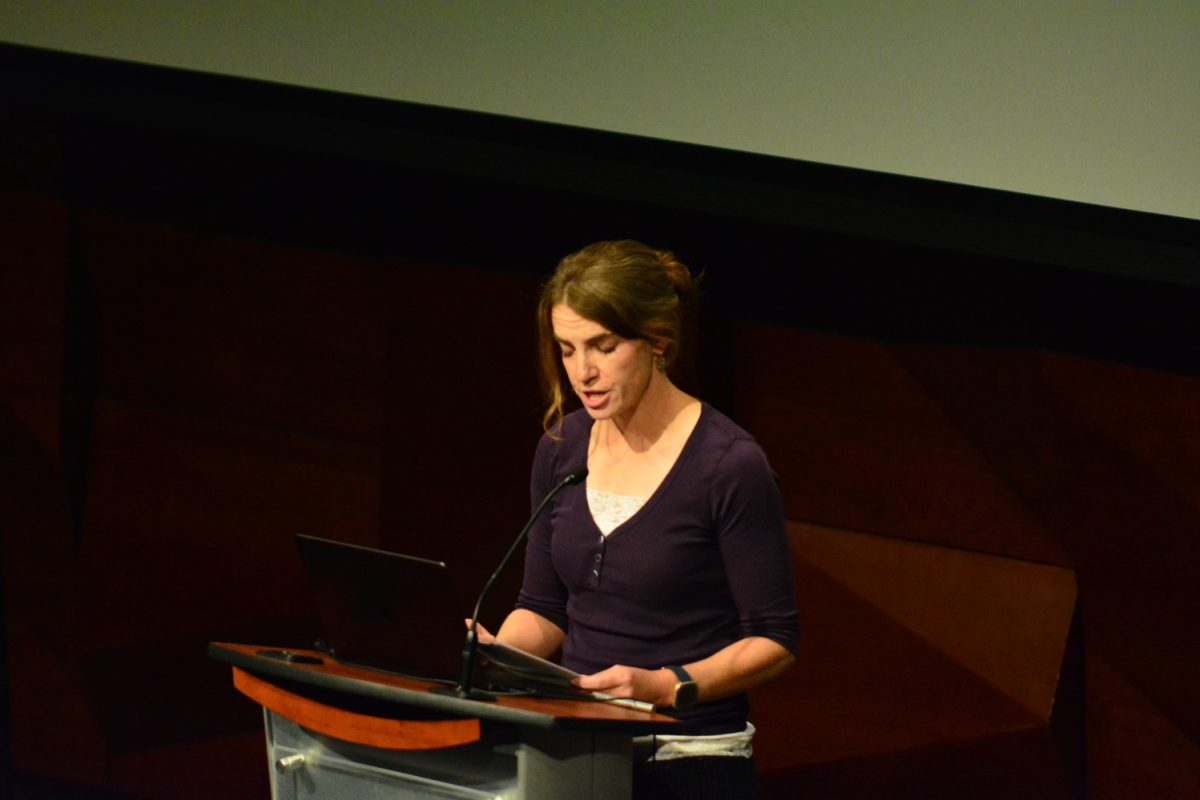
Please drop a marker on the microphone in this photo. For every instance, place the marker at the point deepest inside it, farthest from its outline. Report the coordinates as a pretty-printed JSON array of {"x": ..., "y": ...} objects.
[{"x": 470, "y": 646}]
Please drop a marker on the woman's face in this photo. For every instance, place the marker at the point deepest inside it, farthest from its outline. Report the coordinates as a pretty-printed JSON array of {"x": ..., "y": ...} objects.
[{"x": 608, "y": 373}]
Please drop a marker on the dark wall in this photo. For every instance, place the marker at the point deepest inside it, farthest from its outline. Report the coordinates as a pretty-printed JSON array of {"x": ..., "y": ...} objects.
[{"x": 233, "y": 313}]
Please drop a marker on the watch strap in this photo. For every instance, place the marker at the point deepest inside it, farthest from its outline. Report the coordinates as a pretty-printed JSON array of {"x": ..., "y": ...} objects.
[{"x": 681, "y": 674}]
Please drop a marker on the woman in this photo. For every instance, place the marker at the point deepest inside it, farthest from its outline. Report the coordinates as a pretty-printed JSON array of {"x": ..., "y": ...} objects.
[{"x": 669, "y": 579}]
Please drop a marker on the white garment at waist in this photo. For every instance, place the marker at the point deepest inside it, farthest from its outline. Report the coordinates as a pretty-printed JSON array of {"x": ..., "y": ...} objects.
[{"x": 668, "y": 747}]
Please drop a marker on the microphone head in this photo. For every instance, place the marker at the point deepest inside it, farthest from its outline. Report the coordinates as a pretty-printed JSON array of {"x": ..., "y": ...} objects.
[{"x": 576, "y": 475}]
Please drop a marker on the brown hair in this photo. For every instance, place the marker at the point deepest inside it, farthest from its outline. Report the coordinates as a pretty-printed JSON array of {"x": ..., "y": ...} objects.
[{"x": 631, "y": 289}]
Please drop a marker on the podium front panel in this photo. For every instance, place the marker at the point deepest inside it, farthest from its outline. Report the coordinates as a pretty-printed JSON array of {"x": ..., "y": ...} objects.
[
  {"x": 308, "y": 765},
  {"x": 507, "y": 764}
]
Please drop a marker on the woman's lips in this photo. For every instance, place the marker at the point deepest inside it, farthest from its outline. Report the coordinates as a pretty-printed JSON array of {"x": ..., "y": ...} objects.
[{"x": 593, "y": 399}]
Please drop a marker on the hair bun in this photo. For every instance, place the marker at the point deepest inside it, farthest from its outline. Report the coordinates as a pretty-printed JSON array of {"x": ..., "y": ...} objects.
[{"x": 678, "y": 273}]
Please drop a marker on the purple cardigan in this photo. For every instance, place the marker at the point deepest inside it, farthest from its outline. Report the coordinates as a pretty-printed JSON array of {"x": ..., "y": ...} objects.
[{"x": 702, "y": 564}]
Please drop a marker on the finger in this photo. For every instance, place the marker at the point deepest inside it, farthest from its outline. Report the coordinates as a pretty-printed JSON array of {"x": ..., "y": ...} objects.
[
  {"x": 613, "y": 680},
  {"x": 481, "y": 633},
  {"x": 596, "y": 682}
]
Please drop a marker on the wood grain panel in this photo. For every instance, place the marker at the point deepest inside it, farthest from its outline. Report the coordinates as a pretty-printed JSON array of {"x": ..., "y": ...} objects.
[
  {"x": 859, "y": 443},
  {"x": 191, "y": 520},
  {"x": 1004, "y": 619},
  {"x": 864, "y": 685},
  {"x": 463, "y": 418},
  {"x": 1127, "y": 503},
  {"x": 33, "y": 255},
  {"x": 390, "y": 734},
  {"x": 920, "y": 667},
  {"x": 254, "y": 332}
]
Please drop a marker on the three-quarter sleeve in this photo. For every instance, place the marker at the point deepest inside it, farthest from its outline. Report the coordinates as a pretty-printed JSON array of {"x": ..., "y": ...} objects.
[
  {"x": 748, "y": 515},
  {"x": 542, "y": 592}
]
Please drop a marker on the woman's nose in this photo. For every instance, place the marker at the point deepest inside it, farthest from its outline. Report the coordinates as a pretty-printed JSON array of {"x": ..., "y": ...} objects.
[{"x": 585, "y": 368}]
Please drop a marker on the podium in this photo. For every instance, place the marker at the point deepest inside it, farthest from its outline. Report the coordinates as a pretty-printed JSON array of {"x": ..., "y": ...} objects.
[{"x": 336, "y": 730}]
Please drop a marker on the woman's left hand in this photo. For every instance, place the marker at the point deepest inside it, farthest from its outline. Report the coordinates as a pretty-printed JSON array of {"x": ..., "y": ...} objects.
[{"x": 652, "y": 686}]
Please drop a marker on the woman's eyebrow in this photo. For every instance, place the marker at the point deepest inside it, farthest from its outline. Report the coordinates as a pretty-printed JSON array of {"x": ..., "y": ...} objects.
[{"x": 592, "y": 342}]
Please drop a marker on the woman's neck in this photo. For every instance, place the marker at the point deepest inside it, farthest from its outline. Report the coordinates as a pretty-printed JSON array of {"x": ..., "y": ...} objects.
[{"x": 658, "y": 408}]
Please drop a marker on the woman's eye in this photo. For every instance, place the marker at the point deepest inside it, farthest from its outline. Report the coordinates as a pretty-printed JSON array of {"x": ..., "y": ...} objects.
[{"x": 607, "y": 348}]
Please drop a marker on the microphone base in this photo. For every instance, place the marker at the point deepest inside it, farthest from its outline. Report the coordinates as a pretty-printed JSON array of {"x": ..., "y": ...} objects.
[{"x": 468, "y": 693}]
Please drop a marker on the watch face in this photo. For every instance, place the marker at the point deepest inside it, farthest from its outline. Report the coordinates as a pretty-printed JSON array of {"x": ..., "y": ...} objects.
[{"x": 686, "y": 693}]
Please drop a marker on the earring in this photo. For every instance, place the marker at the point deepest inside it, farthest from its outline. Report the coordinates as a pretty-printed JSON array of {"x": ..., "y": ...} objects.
[{"x": 660, "y": 361}]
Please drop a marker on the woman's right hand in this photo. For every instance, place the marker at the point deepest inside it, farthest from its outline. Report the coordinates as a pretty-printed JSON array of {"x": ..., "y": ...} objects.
[{"x": 481, "y": 633}]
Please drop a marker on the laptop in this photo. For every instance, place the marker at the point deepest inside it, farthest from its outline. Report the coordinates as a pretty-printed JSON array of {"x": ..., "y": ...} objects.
[
  {"x": 401, "y": 614},
  {"x": 384, "y": 610}
]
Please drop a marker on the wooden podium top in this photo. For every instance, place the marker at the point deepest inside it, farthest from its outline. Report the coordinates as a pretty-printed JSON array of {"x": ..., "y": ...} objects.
[{"x": 376, "y": 695}]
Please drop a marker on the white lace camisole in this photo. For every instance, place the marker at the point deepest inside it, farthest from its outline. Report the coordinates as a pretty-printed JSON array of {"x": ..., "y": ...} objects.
[{"x": 610, "y": 510}]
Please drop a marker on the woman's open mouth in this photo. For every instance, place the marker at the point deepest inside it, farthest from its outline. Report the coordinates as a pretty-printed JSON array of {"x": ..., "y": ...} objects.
[{"x": 593, "y": 399}]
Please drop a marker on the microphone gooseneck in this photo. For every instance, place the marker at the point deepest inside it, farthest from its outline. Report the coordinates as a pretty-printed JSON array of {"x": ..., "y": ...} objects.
[{"x": 470, "y": 646}]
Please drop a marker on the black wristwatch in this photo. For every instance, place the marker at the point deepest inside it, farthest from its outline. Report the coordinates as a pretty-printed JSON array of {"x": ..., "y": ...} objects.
[{"x": 686, "y": 690}]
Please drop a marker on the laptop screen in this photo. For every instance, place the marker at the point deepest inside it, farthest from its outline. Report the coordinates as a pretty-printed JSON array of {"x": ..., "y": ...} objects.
[{"x": 385, "y": 610}]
